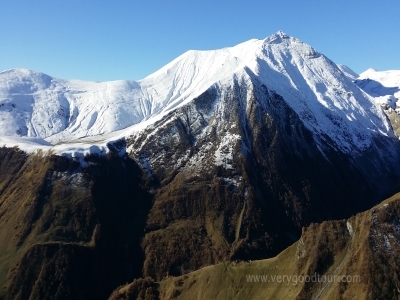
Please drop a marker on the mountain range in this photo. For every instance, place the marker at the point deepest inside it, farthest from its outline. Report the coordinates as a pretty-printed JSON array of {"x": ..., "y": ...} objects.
[
  {"x": 37, "y": 105},
  {"x": 219, "y": 156}
]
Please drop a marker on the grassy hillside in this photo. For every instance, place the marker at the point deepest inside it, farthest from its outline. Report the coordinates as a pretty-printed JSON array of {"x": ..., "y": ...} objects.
[
  {"x": 364, "y": 248},
  {"x": 69, "y": 232}
]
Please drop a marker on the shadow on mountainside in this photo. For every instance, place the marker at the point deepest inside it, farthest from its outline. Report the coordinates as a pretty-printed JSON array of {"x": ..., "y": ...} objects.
[{"x": 73, "y": 233}]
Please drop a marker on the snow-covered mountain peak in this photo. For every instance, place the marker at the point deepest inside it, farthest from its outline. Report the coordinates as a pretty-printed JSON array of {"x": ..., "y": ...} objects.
[
  {"x": 23, "y": 79},
  {"x": 37, "y": 105},
  {"x": 384, "y": 86},
  {"x": 281, "y": 34},
  {"x": 370, "y": 70},
  {"x": 25, "y": 74},
  {"x": 20, "y": 72},
  {"x": 389, "y": 78},
  {"x": 277, "y": 37},
  {"x": 280, "y": 41},
  {"x": 195, "y": 71}
]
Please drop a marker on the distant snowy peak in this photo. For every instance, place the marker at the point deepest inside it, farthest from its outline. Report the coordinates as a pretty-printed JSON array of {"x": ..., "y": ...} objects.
[
  {"x": 390, "y": 78},
  {"x": 36, "y": 105},
  {"x": 18, "y": 79},
  {"x": 384, "y": 86}
]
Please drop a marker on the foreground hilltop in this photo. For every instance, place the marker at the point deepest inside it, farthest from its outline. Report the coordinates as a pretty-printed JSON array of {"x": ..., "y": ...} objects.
[{"x": 357, "y": 258}]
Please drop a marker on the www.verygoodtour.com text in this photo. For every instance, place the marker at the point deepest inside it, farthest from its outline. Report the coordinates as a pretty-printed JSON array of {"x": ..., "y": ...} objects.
[{"x": 295, "y": 279}]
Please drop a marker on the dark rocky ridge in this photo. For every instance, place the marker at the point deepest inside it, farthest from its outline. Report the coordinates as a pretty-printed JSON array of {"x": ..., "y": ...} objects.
[{"x": 283, "y": 180}]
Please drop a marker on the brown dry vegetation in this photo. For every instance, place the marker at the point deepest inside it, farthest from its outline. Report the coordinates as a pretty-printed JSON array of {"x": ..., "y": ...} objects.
[
  {"x": 139, "y": 289},
  {"x": 61, "y": 223},
  {"x": 329, "y": 248}
]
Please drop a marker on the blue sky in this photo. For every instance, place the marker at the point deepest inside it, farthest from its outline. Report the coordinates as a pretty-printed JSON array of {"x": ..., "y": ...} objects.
[{"x": 127, "y": 39}]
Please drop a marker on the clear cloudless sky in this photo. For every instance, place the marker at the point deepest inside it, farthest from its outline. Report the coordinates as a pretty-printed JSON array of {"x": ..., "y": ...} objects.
[{"x": 128, "y": 39}]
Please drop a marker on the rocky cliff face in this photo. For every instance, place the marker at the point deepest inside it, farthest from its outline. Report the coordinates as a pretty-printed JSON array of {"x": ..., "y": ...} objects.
[{"x": 237, "y": 174}]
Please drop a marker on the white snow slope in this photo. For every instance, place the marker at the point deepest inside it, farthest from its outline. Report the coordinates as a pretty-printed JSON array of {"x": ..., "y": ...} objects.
[
  {"x": 33, "y": 104},
  {"x": 383, "y": 85},
  {"x": 348, "y": 72}
]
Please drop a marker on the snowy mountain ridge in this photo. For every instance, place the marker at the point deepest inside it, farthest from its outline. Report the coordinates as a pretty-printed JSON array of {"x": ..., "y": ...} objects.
[
  {"x": 384, "y": 86},
  {"x": 62, "y": 111}
]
